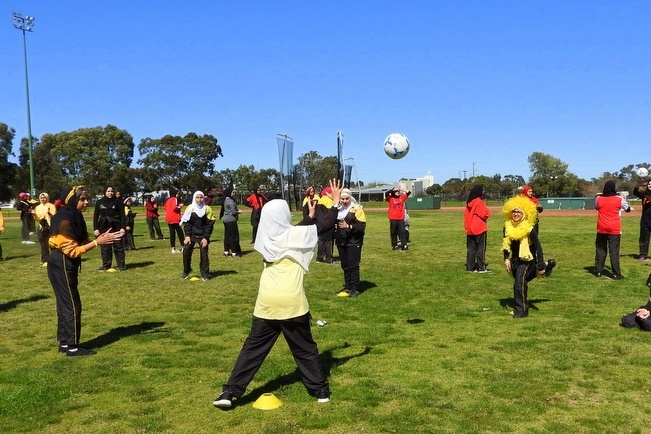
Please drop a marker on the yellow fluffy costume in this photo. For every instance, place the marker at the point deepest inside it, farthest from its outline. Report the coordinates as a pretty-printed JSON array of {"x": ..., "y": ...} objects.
[{"x": 519, "y": 232}]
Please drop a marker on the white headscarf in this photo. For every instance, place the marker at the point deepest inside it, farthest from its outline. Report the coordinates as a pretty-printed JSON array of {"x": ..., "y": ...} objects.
[
  {"x": 277, "y": 238},
  {"x": 194, "y": 207}
]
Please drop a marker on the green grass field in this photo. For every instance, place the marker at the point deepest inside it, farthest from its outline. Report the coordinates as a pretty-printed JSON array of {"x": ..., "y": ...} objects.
[{"x": 426, "y": 348}]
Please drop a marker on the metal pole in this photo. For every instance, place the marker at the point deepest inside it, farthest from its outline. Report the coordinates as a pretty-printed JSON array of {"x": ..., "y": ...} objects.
[{"x": 25, "y": 24}]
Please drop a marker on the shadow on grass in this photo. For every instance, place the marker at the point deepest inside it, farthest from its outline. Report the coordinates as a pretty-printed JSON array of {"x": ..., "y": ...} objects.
[
  {"x": 222, "y": 273},
  {"x": 605, "y": 273},
  {"x": 510, "y": 303},
  {"x": 5, "y": 307},
  {"x": 145, "y": 248},
  {"x": 140, "y": 264},
  {"x": 11, "y": 258},
  {"x": 123, "y": 332},
  {"x": 365, "y": 285},
  {"x": 328, "y": 361}
]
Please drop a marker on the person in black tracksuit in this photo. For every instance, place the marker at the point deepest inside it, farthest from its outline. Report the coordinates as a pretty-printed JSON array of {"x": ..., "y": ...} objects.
[
  {"x": 198, "y": 222},
  {"x": 68, "y": 241},
  {"x": 642, "y": 316},
  {"x": 109, "y": 214},
  {"x": 349, "y": 238},
  {"x": 523, "y": 253},
  {"x": 645, "y": 219}
]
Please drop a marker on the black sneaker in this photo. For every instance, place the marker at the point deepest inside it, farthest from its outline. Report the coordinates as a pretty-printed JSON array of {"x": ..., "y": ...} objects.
[
  {"x": 617, "y": 277},
  {"x": 323, "y": 396},
  {"x": 523, "y": 314},
  {"x": 63, "y": 348},
  {"x": 353, "y": 293},
  {"x": 224, "y": 400},
  {"x": 205, "y": 279},
  {"x": 79, "y": 351},
  {"x": 185, "y": 276},
  {"x": 102, "y": 269},
  {"x": 550, "y": 266}
]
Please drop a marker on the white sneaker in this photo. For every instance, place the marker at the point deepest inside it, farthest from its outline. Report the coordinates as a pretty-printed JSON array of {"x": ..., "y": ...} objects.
[
  {"x": 174, "y": 250},
  {"x": 29, "y": 242}
]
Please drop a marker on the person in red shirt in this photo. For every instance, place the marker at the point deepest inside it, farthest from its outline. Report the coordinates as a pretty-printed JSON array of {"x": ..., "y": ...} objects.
[
  {"x": 151, "y": 217},
  {"x": 173, "y": 207},
  {"x": 475, "y": 218},
  {"x": 527, "y": 191},
  {"x": 609, "y": 229},
  {"x": 397, "y": 218},
  {"x": 255, "y": 201}
]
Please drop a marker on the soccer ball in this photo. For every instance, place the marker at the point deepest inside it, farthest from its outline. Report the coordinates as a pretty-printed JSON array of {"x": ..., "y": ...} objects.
[
  {"x": 642, "y": 172},
  {"x": 396, "y": 146}
]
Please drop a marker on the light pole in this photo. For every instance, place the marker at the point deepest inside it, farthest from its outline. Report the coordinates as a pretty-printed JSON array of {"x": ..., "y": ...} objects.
[{"x": 26, "y": 24}]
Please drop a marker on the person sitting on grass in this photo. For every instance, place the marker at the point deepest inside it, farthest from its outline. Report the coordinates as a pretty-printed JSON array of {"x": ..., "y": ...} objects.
[
  {"x": 641, "y": 318},
  {"x": 281, "y": 306}
]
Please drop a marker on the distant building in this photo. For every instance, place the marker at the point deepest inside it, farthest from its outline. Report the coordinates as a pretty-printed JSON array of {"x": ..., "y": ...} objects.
[{"x": 417, "y": 185}]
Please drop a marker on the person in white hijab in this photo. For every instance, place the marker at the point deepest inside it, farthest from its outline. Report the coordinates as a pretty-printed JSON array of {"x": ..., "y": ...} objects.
[
  {"x": 198, "y": 221},
  {"x": 281, "y": 306}
]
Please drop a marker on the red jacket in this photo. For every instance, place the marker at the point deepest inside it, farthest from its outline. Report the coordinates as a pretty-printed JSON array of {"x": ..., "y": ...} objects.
[
  {"x": 475, "y": 216},
  {"x": 397, "y": 207},
  {"x": 256, "y": 201},
  {"x": 609, "y": 220},
  {"x": 173, "y": 210},
  {"x": 151, "y": 210}
]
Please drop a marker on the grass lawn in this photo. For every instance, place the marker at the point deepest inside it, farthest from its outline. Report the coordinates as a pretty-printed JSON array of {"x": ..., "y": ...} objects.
[{"x": 426, "y": 348}]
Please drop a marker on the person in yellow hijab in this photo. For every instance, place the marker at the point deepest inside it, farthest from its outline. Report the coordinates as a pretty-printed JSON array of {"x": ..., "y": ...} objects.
[{"x": 523, "y": 253}]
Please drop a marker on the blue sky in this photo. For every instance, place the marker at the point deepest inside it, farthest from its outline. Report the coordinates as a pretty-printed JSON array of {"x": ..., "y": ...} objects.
[{"x": 474, "y": 85}]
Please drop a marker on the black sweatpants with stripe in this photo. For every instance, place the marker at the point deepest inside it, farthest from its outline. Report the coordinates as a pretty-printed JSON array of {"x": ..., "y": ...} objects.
[
  {"x": 64, "y": 277},
  {"x": 264, "y": 333}
]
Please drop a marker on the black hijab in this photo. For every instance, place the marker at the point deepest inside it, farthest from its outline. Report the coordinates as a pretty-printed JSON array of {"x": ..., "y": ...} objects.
[
  {"x": 609, "y": 189},
  {"x": 68, "y": 221},
  {"x": 475, "y": 192}
]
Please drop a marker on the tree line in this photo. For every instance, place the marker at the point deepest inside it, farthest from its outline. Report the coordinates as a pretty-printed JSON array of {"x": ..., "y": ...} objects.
[
  {"x": 101, "y": 156},
  {"x": 550, "y": 177}
]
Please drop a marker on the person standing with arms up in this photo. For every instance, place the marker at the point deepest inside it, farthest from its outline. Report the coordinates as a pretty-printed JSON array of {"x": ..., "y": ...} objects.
[
  {"x": 256, "y": 201},
  {"x": 281, "y": 306},
  {"x": 69, "y": 240},
  {"x": 397, "y": 218},
  {"x": 645, "y": 219},
  {"x": 609, "y": 229},
  {"x": 475, "y": 221},
  {"x": 109, "y": 214}
]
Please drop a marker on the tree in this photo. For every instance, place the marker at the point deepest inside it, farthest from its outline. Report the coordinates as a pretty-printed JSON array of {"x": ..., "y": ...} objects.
[
  {"x": 434, "y": 190},
  {"x": 314, "y": 170},
  {"x": 8, "y": 170},
  {"x": 96, "y": 157},
  {"x": 187, "y": 162},
  {"x": 551, "y": 177},
  {"x": 246, "y": 179}
]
